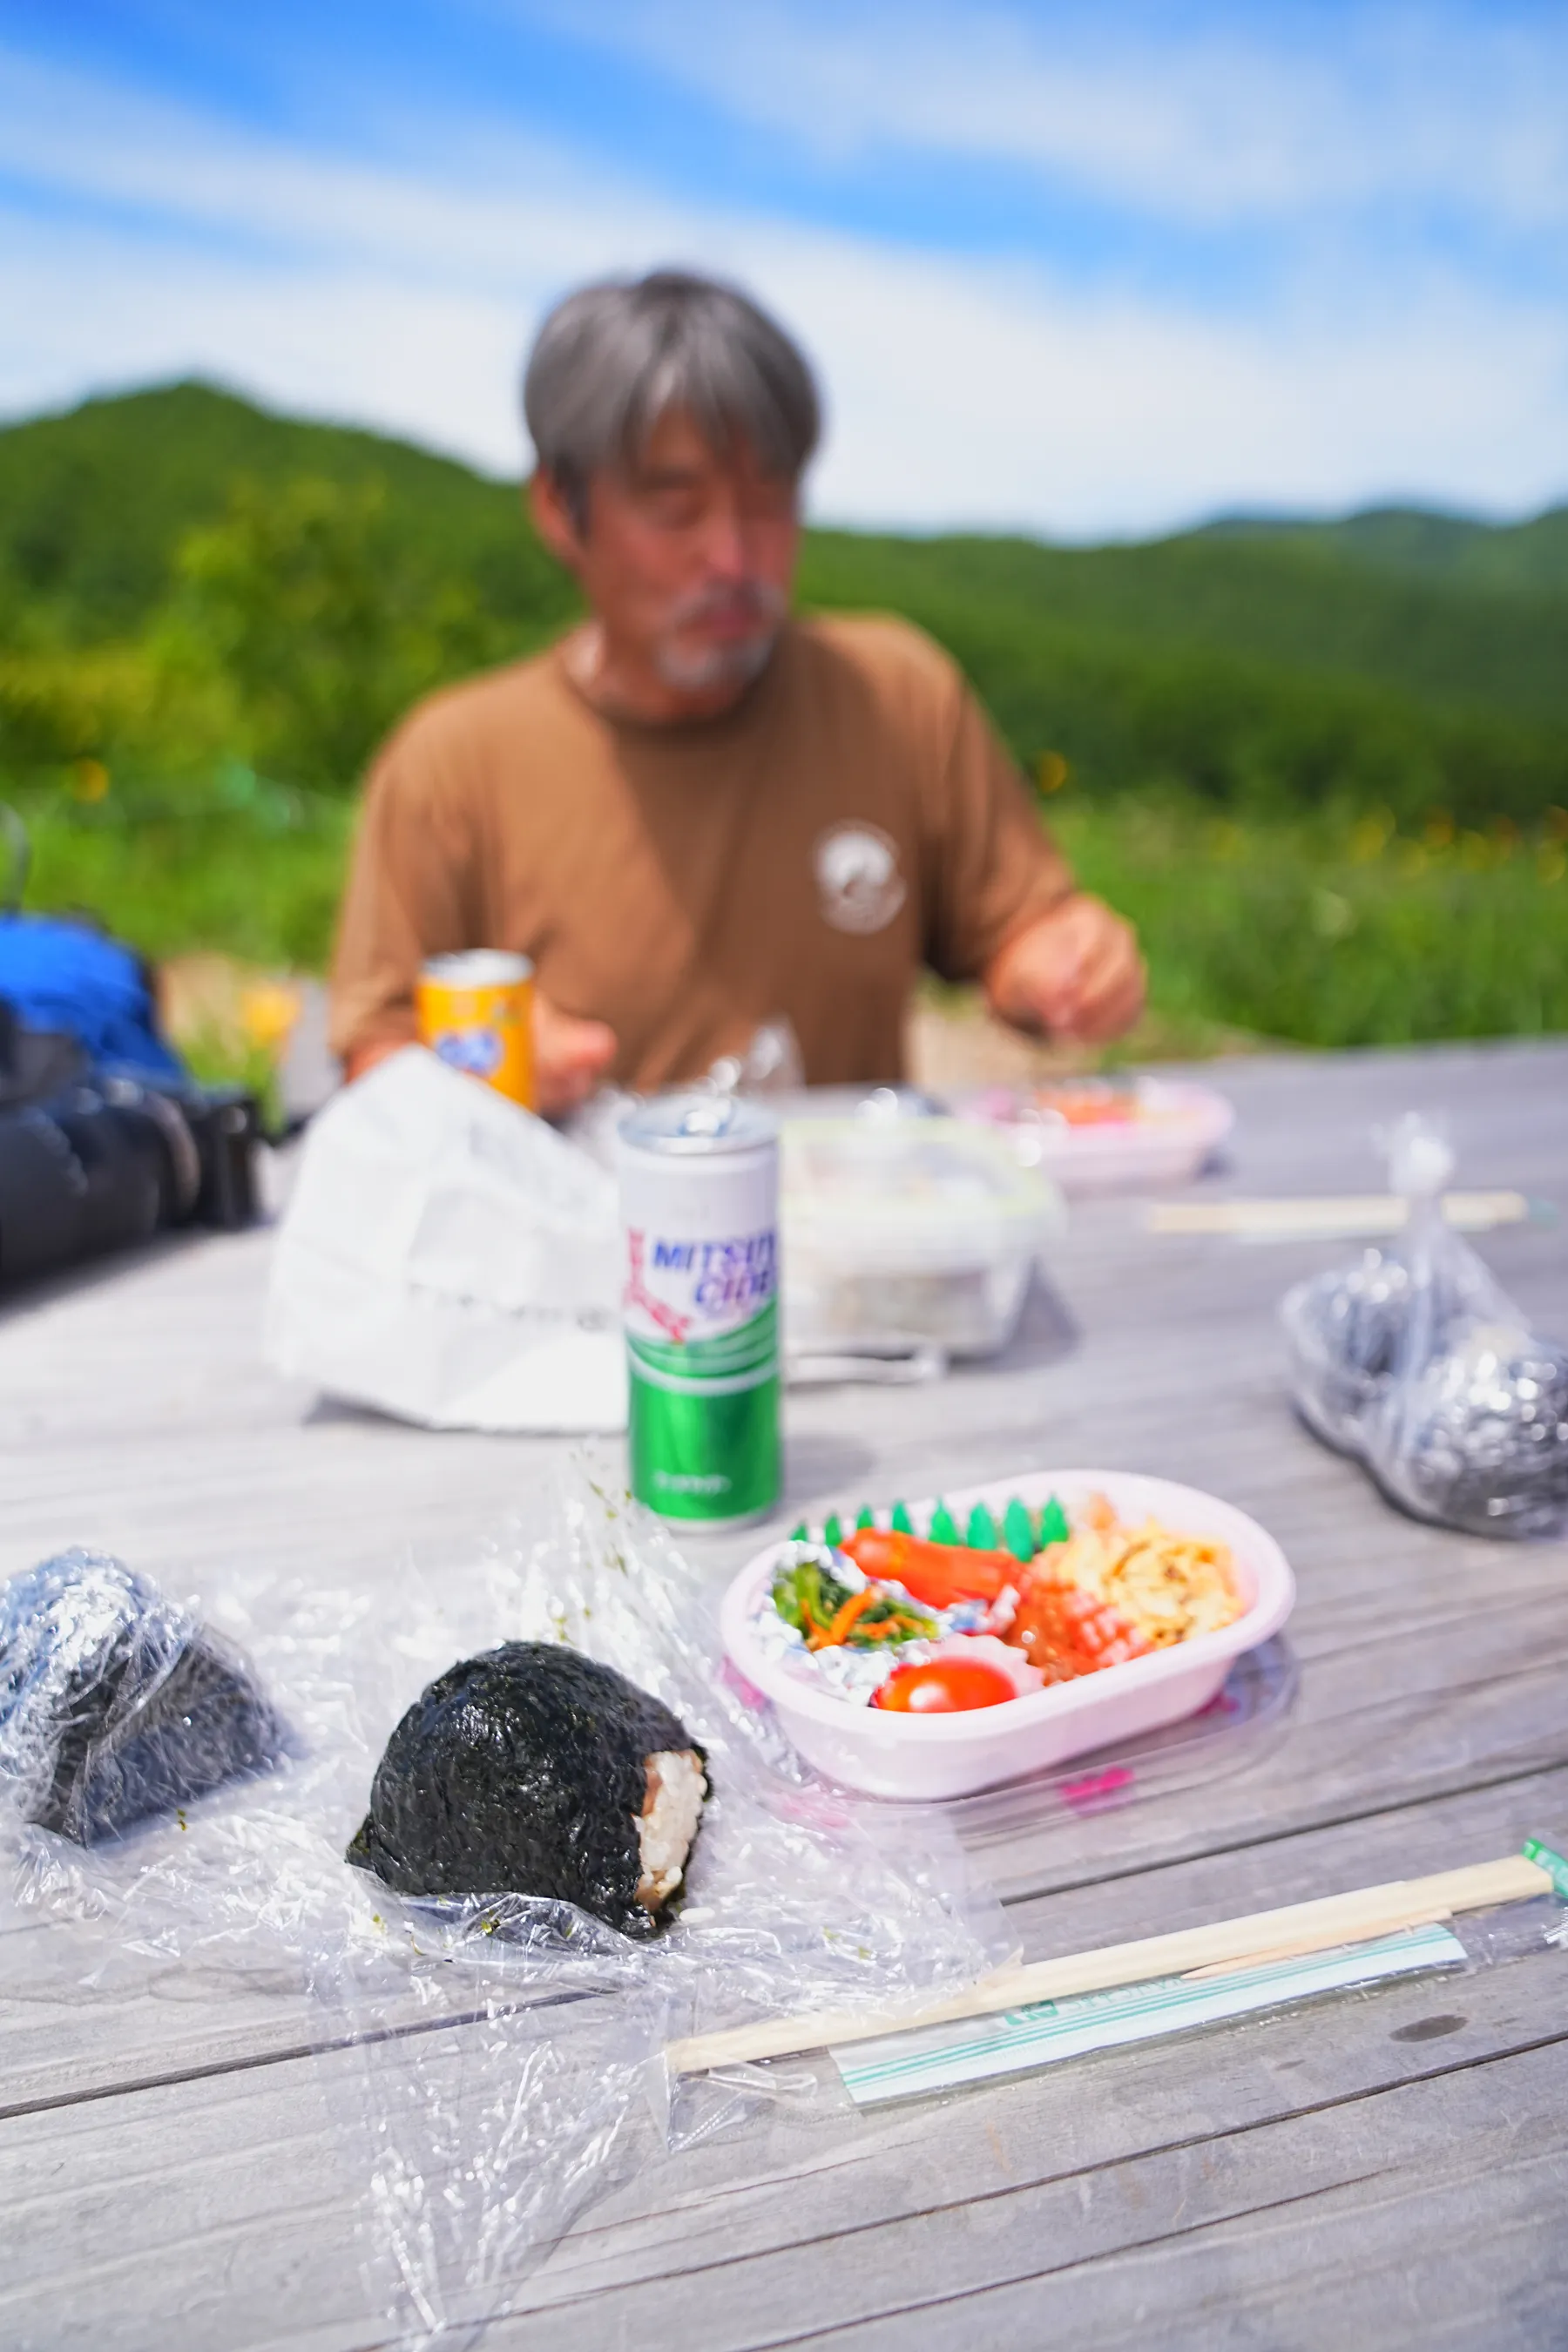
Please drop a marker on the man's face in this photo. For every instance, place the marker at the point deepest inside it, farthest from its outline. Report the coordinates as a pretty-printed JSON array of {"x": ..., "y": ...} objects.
[{"x": 686, "y": 559}]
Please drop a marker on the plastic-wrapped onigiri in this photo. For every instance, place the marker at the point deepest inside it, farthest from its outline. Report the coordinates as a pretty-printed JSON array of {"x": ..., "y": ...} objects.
[
  {"x": 114, "y": 1704},
  {"x": 534, "y": 1770}
]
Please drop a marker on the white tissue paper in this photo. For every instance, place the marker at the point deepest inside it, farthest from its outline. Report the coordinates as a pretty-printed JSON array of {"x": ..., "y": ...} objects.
[{"x": 448, "y": 1257}]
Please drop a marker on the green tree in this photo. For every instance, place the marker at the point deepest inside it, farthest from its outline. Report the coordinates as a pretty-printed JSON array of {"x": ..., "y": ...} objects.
[{"x": 324, "y": 626}]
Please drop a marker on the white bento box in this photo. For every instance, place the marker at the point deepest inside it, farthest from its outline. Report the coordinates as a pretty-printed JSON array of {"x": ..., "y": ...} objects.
[
  {"x": 938, "y": 1755},
  {"x": 1175, "y": 1128}
]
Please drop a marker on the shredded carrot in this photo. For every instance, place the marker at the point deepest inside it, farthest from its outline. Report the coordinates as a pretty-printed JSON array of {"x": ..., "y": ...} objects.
[{"x": 828, "y": 1638}]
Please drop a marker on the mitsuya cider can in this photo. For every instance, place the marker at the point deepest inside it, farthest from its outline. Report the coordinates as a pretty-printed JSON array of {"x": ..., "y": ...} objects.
[
  {"x": 476, "y": 1013},
  {"x": 699, "y": 1192}
]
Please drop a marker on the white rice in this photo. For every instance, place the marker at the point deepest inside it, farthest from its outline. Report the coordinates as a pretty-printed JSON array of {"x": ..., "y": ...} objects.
[{"x": 668, "y": 1824}]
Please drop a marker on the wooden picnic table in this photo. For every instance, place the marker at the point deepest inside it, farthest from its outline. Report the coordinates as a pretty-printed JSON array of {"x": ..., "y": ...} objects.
[{"x": 1387, "y": 2169}]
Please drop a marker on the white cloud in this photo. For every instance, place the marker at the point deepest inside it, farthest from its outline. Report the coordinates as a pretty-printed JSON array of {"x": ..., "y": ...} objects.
[
  {"x": 1249, "y": 114},
  {"x": 107, "y": 311},
  {"x": 960, "y": 393}
]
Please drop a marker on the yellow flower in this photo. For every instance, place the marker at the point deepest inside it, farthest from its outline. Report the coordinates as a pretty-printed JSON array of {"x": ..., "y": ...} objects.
[{"x": 268, "y": 1009}]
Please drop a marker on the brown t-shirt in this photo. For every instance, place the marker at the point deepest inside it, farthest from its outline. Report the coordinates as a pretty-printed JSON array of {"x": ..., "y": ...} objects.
[{"x": 853, "y": 816}]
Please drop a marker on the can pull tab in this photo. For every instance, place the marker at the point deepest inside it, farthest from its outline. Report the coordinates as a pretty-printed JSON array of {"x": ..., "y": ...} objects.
[{"x": 713, "y": 1116}]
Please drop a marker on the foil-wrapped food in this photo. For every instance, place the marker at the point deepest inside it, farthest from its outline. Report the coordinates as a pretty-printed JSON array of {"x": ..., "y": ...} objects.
[{"x": 1415, "y": 1362}]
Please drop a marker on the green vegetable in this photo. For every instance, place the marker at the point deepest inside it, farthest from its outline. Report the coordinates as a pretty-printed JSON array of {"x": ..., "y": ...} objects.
[{"x": 809, "y": 1597}]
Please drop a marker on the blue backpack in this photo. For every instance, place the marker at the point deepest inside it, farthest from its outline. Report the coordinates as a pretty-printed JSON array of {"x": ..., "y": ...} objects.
[{"x": 65, "y": 977}]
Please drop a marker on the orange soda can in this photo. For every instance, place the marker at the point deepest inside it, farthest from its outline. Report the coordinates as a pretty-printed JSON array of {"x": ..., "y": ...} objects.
[{"x": 476, "y": 1013}]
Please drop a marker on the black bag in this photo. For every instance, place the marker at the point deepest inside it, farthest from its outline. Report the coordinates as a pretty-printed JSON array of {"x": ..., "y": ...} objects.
[
  {"x": 91, "y": 1162},
  {"x": 98, "y": 1164}
]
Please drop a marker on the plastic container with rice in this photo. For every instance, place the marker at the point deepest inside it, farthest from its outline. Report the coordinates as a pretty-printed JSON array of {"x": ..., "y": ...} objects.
[{"x": 912, "y": 1230}]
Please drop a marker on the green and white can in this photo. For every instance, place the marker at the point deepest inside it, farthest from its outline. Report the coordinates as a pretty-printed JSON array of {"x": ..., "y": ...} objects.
[{"x": 699, "y": 1192}]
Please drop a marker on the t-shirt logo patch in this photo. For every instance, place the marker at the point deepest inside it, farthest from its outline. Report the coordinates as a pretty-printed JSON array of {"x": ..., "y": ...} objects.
[{"x": 857, "y": 879}]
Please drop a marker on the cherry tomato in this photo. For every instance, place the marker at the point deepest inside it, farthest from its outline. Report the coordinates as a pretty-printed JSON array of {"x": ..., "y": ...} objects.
[
  {"x": 937, "y": 1574},
  {"x": 944, "y": 1686}
]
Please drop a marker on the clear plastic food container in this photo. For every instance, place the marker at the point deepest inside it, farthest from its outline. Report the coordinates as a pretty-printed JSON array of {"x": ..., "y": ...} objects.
[{"x": 922, "y": 1230}]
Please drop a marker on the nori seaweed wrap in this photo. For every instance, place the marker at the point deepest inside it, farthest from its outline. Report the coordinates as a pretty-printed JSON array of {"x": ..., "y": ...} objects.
[
  {"x": 534, "y": 1770},
  {"x": 114, "y": 1704}
]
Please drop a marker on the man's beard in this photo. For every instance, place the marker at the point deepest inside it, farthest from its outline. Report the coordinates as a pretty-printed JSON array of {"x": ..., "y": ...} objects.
[{"x": 703, "y": 670}]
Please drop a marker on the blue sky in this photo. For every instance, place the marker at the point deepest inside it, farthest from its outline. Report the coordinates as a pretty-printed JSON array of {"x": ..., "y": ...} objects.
[{"x": 1086, "y": 269}]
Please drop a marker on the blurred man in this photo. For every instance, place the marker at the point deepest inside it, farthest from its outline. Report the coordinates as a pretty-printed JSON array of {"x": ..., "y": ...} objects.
[{"x": 695, "y": 814}]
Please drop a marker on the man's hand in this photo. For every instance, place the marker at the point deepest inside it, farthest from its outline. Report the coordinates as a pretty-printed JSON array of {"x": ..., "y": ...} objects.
[
  {"x": 1075, "y": 974},
  {"x": 570, "y": 1057}
]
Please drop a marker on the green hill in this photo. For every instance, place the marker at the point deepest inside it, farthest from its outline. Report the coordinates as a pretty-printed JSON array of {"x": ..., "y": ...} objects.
[
  {"x": 328, "y": 576},
  {"x": 94, "y": 504},
  {"x": 1296, "y": 603},
  {"x": 1526, "y": 555}
]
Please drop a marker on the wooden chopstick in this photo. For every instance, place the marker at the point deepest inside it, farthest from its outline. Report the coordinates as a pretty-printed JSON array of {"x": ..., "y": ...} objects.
[
  {"x": 1329, "y": 1217},
  {"x": 1294, "y": 1929},
  {"x": 1369, "y": 1932}
]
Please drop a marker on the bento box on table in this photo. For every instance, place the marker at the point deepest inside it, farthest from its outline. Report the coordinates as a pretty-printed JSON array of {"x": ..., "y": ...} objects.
[{"x": 1003, "y": 1630}]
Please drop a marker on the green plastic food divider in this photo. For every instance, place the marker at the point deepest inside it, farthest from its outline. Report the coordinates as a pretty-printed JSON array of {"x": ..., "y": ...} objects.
[
  {"x": 1018, "y": 1532},
  {"x": 1054, "y": 1527}
]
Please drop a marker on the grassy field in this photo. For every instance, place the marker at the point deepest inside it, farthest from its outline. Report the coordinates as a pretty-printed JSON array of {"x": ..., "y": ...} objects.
[
  {"x": 264, "y": 892},
  {"x": 1329, "y": 931},
  {"x": 1334, "y": 931},
  {"x": 1324, "y": 767}
]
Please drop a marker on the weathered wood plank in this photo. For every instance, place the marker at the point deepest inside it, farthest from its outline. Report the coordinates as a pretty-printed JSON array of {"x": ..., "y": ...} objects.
[
  {"x": 224, "y": 2211},
  {"x": 134, "y": 1412},
  {"x": 1430, "y": 2213},
  {"x": 230, "y": 2182},
  {"x": 1435, "y": 2219},
  {"x": 159, "y": 2019}
]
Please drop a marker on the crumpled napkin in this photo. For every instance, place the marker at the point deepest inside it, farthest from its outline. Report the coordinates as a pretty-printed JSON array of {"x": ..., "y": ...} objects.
[{"x": 448, "y": 1257}]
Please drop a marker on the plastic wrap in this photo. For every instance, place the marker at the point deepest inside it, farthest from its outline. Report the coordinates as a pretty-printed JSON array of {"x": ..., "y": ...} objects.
[
  {"x": 1415, "y": 1362},
  {"x": 505, "y": 2052},
  {"x": 116, "y": 1706}
]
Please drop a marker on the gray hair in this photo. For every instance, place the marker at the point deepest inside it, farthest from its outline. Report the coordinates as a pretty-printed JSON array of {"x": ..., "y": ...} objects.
[{"x": 612, "y": 359}]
